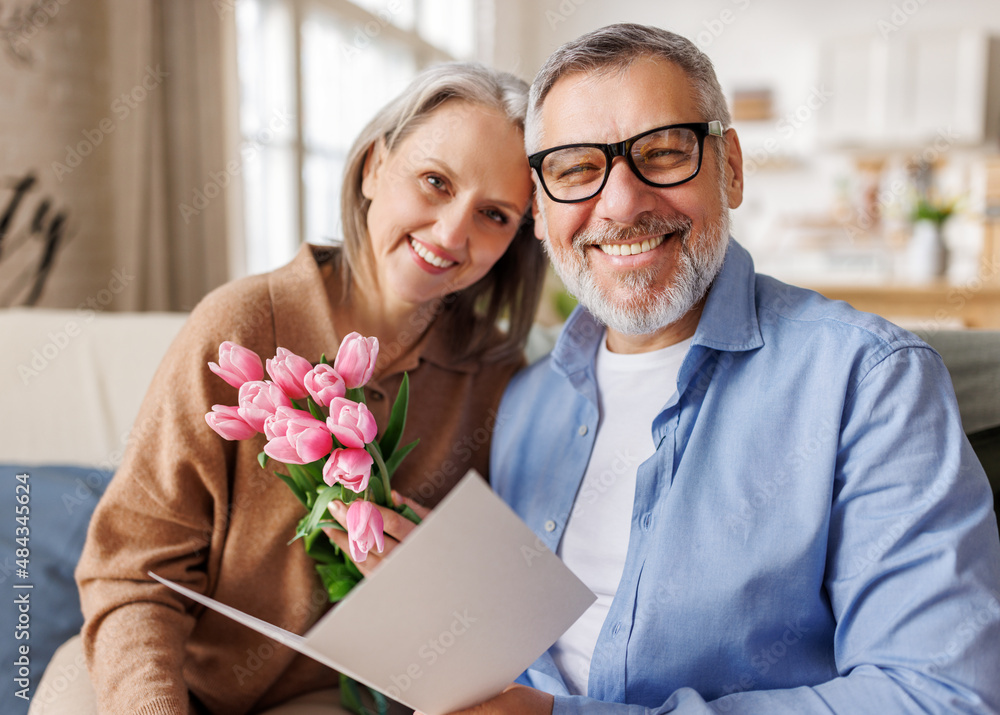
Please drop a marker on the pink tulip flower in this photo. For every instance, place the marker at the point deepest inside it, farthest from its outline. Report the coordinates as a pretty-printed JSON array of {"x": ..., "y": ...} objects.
[
  {"x": 227, "y": 422},
  {"x": 324, "y": 384},
  {"x": 288, "y": 371},
  {"x": 356, "y": 359},
  {"x": 237, "y": 365},
  {"x": 296, "y": 437},
  {"x": 351, "y": 467},
  {"x": 351, "y": 422},
  {"x": 259, "y": 400},
  {"x": 364, "y": 529}
]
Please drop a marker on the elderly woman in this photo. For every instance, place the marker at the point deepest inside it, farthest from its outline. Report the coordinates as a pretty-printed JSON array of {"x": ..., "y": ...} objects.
[{"x": 436, "y": 249}]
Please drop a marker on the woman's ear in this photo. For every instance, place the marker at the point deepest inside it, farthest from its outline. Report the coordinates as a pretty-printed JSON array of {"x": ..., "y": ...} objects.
[{"x": 370, "y": 170}]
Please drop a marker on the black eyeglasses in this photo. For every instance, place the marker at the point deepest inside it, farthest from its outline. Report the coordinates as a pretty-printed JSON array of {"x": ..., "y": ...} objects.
[{"x": 665, "y": 156}]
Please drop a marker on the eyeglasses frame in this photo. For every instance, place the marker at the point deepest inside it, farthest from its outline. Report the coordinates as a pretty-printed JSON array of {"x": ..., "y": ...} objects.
[{"x": 624, "y": 149}]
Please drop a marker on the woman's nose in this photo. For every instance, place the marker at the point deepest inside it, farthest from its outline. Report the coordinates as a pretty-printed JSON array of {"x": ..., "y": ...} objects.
[{"x": 453, "y": 226}]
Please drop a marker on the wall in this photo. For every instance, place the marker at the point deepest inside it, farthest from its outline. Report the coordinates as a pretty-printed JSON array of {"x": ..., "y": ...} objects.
[
  {"x": 755, "y": 43},
  {"x": 52, "y": 102}
]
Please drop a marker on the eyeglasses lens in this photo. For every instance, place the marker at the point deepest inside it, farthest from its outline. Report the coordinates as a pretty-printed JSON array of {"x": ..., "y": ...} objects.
[
  {"x": 666, "y": 157},
  {"x": 576, "y": 173}
]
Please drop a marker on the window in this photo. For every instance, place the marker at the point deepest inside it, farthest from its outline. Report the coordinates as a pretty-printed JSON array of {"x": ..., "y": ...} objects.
[{"x": 312, "y": 73}]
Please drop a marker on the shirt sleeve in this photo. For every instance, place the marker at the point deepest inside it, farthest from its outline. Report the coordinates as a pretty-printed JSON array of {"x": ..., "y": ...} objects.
[{"x": 913, "y": 565}]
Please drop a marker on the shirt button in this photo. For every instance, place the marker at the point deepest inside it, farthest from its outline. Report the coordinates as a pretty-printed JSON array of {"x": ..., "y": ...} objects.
[
  {"x": 646, "y": 521},
  {"x": 616, "y": 629},
  {"x": 582, "y": 430},
  {"x": 550, "y": 525}
]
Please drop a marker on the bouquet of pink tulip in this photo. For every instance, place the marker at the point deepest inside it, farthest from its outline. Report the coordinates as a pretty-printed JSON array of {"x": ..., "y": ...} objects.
[{"x": 327, "y": 455}]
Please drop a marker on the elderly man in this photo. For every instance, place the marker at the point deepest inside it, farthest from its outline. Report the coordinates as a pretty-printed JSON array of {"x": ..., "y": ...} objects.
[{"x": 769, "y": 492}]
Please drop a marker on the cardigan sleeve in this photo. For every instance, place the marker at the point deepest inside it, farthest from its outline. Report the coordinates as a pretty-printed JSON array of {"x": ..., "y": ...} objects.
[{"x": 164, "y": 511}]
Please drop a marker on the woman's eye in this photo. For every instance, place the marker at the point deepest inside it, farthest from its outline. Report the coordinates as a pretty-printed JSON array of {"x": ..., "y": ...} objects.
[
  {"x": 498, "y": 216},
  {"x": 437, "y": 182}
]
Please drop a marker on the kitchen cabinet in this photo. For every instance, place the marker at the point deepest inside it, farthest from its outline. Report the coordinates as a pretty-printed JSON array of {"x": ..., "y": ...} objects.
[
  {"x": 974, "y": 303},
  {"x": 912, "y": 90}
]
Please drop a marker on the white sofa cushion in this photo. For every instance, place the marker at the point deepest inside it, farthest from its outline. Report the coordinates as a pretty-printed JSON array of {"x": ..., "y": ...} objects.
[{"x": 71, "y": 382}]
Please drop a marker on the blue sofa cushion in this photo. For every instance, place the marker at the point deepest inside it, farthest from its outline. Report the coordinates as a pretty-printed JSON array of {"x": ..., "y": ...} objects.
[{"x": 60, "y": 501}]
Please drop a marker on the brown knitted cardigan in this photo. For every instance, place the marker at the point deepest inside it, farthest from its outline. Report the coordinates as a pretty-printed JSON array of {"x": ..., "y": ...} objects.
[{"x": 199, "y": 510}]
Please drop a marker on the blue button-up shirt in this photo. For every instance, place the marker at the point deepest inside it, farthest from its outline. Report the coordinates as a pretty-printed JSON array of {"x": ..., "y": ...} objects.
[{"x": 813, "y": 534}]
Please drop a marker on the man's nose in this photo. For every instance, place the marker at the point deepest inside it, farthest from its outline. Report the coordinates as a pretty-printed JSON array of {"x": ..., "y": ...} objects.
[{"x": 624, "y": 196}]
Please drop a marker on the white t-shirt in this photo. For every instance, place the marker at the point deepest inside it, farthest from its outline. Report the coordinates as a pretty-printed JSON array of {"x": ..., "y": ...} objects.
[{"x": 632, "y": 390}]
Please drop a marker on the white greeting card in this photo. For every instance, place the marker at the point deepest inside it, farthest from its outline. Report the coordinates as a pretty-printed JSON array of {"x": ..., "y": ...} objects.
[{"x": 452, "y": 616}]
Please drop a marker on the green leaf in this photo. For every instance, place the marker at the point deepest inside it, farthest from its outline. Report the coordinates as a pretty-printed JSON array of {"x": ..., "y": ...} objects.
[
  {"x": 303, "y": 477},
  {"x": 337, "y": 580},
  {"x": 357, "y": 394},
  {"x": 352, "y": 567},
  {"x": 381, "y": 702},
  {"x": 299, "y": 494},
  {"x": 377, "y": 492},
  {"x": 323, "y": 498},
  {"x": 397, "y": 419},
  {"x": 262, "y": 459},
  {"x": 397, "y": 457},
  {"x": 315, "y": 471},
  {"x": 323, "y": 360},
  {"x": 300, "y": 531},
  {"x": 409, "y": 513},
  {"x": 315, "y": 410},
  {"x": 319, "y": 547},
  {"x": 350, "y": 696}
]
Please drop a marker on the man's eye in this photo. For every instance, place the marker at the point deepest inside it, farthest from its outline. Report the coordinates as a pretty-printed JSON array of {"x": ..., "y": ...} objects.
[
  {"x": 578, "y": 169},
  {"x": 576, "y": 174}
]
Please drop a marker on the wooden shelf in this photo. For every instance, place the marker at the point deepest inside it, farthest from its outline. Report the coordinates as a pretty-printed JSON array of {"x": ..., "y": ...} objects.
[{"x": 974, "y": 305}]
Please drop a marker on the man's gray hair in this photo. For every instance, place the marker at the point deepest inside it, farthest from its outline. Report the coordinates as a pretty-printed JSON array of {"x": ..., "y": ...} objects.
[{"x": 615, "y": 48}]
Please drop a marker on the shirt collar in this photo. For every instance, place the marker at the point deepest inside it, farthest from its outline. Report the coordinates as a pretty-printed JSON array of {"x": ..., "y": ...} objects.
[
  {"x": 301, "y": 292},
  {"x": 728, "y": 322}
]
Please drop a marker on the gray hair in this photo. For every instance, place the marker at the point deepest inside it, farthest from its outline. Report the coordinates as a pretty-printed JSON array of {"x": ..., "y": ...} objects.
[
  {"x": 513, "y": 285},
  {"x": 398, "y": 119},
  {"x": 615, "y": 48}
]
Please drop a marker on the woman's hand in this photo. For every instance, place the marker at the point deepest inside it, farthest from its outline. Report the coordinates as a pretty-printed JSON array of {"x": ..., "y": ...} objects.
[
  {"x": 514, "y": 700},
  {"x": 397, "y": 527}
]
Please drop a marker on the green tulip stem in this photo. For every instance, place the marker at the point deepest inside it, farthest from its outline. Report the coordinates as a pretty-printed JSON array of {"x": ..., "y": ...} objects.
[{"x": 374, "y": 452}]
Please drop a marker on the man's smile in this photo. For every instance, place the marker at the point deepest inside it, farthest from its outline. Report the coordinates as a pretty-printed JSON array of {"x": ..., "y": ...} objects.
[{"x": 631, "y": 249}]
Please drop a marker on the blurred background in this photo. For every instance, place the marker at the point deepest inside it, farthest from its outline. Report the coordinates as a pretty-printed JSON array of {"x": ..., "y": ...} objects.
[{"x": 154, "y": 149}]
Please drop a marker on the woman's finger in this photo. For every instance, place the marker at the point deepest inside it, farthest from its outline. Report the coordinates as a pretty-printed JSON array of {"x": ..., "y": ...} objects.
[
  {"x": 372, "y": 560},
  {"x": 420, "y": 509},
  {"x": 394, "y": 524}
]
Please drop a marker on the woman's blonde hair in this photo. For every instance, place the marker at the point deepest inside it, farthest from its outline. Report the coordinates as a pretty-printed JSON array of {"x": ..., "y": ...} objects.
[{"x": 510, "y": 289}]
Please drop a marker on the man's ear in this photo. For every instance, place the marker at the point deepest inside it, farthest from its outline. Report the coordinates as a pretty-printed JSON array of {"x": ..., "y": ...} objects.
[
  {"x": 734, "y": 169},
  {"x": 536, "y": 214},
  {"x": 370, "y": 171}
]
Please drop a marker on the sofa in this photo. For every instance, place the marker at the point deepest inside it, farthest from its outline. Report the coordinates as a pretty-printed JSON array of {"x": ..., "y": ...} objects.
[{"x": 70, "y": 387}]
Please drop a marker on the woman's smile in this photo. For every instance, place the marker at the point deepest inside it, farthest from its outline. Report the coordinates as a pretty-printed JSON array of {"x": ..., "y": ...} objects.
[
  {"x": 444, "y": 209},
  {"x": 431, "y": 259}
]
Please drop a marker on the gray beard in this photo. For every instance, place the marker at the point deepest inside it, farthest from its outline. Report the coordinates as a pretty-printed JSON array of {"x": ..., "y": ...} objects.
[{"x": 636, "y": 304}]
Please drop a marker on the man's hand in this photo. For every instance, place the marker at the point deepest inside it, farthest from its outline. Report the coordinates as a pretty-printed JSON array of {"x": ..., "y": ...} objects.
[
  {"x": 396, "y": 526},
  {"x": 515, "y": 700}
]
